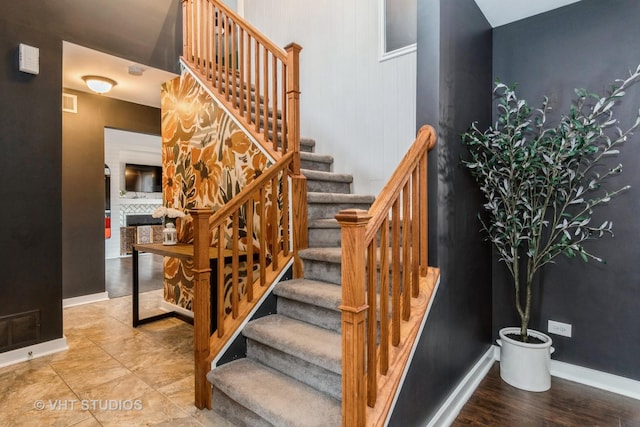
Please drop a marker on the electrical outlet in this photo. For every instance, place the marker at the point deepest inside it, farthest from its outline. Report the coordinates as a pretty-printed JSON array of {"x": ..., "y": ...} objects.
[{"x": 559, "y": 328}]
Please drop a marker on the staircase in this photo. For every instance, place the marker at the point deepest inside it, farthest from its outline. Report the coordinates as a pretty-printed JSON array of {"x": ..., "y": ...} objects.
[
  {"x": 341, "y": 341},
  {"x": 292, "y": 373}
]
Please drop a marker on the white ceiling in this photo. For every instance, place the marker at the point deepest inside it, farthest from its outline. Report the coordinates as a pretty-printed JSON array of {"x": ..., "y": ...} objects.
[
  {"x": 501, "y": 12},
  {"x": 78, "y": 61}
]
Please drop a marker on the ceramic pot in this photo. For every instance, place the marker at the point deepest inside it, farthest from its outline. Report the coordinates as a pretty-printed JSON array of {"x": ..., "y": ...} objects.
[{"x": 525, "y": 365}]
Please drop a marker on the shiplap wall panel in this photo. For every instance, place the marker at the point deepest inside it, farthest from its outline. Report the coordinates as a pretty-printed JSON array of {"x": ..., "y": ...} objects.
[{"x": 359, "y": 110}]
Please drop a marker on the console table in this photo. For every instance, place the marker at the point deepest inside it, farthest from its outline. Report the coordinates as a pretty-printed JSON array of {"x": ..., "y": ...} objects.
[{"x": 181, "y": 251}]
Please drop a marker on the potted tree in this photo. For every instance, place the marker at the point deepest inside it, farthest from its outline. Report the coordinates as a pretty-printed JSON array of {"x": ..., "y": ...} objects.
[{"x": 541, "y": 184}]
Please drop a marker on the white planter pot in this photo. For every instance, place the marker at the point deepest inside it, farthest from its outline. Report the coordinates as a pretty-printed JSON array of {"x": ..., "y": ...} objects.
[{"x": 525, "y": 365}]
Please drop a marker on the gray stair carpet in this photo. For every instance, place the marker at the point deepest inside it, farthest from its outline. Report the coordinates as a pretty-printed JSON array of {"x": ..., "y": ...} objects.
[
  {"x": 271, "y": 396},
  {"x": 292, "y": 373}
]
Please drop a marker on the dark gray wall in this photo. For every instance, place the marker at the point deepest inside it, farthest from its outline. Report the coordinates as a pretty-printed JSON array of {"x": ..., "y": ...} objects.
[
  {"x": 587, "y": 44},
  {"x": 146, "y": 31},
  {"x": 454, "y": 89},
  {"x": 83, "y": 184}
]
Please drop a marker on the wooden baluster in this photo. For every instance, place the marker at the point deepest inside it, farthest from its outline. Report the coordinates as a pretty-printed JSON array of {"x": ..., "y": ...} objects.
[
  {"x": 263, "y": 237},
  {"x": 243, "y": 82},
  {"x": 234, "y": 64},
  {"x": 235, "y": 291},
  {"x": 186, "y": 10},
  {"x": 395, "y": 273},
  {"x": 283, "y": 116},
  {"x": 274, "y": 101},
  {"x": 372, "y": 323},
  {"x": 384, "y": 297},
  {"x": 275, "y": 224},
  {"x": 285, "y": 213},
  {"x": 257, "y": 93},
  {"x": 406, "y": 253},
  {"x": 222, "y": 244},
  {"x": 265, "y": 101},
  {"x": 249, "y": 220},
  {"x": 353, "y": 307},
  {"x": 415, "y": 234},
  {"x": 201, "y": 306},
  {"x": 424, "y": 222},
  {"x": 208, "y": 40},
  {"x": 200, "y": 37},
  {"x": 249, "y": 82},
  {"x": 220, "y": 53},
  {"x": 227, "y": 80}
]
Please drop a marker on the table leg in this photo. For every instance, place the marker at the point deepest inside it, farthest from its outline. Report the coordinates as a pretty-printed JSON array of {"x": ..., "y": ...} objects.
[{"x": 136, "y": 288}]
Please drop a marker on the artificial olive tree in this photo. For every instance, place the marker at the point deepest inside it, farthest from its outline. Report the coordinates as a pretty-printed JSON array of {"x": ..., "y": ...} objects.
[{"x": 542, "y": 183}]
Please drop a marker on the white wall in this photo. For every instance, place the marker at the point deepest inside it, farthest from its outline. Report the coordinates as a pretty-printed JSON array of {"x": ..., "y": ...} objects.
[
  {"x": 122, "y": 147},
  {"x": 358, "y": 109}
]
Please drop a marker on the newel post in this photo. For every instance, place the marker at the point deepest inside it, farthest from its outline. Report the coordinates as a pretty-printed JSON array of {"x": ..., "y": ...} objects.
[
  {"x": 298, "y": 181},
  {"x": 353, "y": 223},
  {"x": 201, "y": 305}
]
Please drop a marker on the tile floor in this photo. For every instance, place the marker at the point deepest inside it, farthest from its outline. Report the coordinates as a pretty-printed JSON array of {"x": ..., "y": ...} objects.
[{"x": 112, "y": 374}]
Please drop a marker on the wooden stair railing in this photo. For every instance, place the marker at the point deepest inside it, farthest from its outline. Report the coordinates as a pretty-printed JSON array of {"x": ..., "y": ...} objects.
[
  {"x": 273, "y": 234},
  {"x": 384, "y": 252},
  {"x": 257, "y": 82}
]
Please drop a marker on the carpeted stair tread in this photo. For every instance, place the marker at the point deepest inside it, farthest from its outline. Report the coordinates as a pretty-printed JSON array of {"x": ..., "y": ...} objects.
[
  {"x": 314, "y": 157},
  {"x": 314, "y": 197},
  {"x": 314, "y": 292},
  {"x": 305, "y": 341},
  {"x": 307, "y": 145},
  {"x": 277, "y": 398},
  {"x": 333, "y": 255},
  {"x": 328, "y": 223},
  {"x": 327, "y": 176}
]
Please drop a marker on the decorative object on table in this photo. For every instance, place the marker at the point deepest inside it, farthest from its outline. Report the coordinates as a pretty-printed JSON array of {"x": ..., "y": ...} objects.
[
  {"x": 169, "y": 215},
  {"x": 541, "y": 184}
]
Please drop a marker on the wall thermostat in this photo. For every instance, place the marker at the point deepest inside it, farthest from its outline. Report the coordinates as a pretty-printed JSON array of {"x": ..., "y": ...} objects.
[{"x": 29, "y": 61}]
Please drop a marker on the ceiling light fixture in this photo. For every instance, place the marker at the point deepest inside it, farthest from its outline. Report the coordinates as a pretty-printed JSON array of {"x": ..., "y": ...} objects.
[{"x": 99, "y": 84}]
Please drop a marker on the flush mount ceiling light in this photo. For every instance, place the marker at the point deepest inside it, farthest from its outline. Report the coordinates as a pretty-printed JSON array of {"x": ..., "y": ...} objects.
[{"x": 99, "y": 84}]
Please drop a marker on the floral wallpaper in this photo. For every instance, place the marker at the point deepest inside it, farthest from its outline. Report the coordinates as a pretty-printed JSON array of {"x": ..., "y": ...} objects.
[{"x": 207, "y": 159}]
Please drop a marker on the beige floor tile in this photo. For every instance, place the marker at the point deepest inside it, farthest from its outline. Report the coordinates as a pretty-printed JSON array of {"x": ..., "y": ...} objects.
[
  {"x": 127, "y": 387},
  {"x": 109, "y": 365},
  {"x": 151, "y": 409}
]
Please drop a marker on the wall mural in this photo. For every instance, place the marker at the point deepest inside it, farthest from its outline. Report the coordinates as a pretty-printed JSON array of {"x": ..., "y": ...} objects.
[{"x": 207, "y": 159}]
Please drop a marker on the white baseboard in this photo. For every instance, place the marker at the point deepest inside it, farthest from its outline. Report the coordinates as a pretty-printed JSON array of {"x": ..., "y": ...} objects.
[
  {"x": 598, "y": 379},
  {"x": 459, "y": 397},
  {"x": 31, "y": 352},
  {"x": 85, "y": 299},
  {"x": 167, "y": 306}
]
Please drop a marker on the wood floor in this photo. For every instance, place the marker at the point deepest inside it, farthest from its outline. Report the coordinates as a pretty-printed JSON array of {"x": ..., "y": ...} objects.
[
  {"x": 496, "y": 403},
  {"x": 119, "y": 273}
]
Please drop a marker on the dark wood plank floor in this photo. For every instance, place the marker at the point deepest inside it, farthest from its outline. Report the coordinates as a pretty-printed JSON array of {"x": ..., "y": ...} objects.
[
  {"x": 495, "y": 403},
  {"x": 119, "y": 273}
]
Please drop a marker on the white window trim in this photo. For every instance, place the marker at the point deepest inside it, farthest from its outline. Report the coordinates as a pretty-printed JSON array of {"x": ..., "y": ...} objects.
[{"x": 383, "y": 55}]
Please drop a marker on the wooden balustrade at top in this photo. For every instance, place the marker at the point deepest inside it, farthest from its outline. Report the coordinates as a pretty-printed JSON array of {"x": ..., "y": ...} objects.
[
  {"x": 254, "y": 78},
  {"x": 386, "y": 286},
  {"x": 257, "y": 82}
]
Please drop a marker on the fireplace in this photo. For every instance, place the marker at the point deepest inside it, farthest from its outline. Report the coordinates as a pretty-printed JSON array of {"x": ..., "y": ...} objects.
[{"x": 134, "y": 220}]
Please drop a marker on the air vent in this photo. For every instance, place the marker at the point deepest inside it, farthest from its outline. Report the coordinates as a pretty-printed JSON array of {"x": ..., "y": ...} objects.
[
  {"x": 19, "y": 330},
  {"x": 69, "y": 103}
]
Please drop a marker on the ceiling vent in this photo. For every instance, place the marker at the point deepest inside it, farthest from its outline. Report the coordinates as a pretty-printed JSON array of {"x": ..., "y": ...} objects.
[{"x": 69, "y": 103}]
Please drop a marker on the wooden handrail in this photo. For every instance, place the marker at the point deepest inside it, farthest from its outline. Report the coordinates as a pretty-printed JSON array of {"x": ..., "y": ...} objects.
[{"x": 384, "y": 270}]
